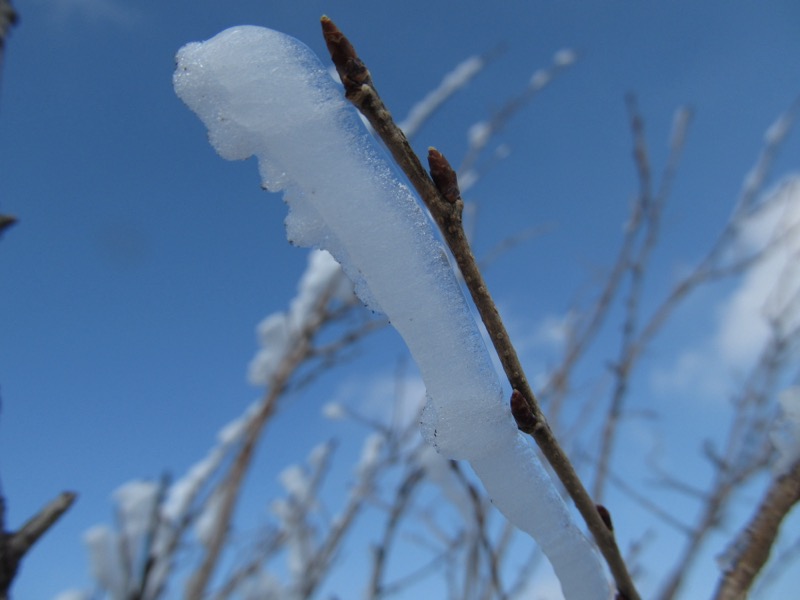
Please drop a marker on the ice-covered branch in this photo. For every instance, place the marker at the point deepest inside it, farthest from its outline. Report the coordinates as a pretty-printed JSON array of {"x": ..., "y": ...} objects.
[
  {"x": 441, "y": 194},
  {"x": 263, "y": 93}
]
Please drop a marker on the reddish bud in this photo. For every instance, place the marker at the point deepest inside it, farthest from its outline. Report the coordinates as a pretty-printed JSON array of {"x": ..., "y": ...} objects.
[
  {"x": 443, "y": 175},
  {"x": 605, "y": 515},
  {"x": 522, "y": 413}
]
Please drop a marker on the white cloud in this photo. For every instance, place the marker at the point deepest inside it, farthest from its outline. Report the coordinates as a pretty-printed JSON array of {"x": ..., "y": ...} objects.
[
  {"x": 694, "y": 369},
  {"x": 768, "y": 291},
  {"x": 555, "y": 329}
]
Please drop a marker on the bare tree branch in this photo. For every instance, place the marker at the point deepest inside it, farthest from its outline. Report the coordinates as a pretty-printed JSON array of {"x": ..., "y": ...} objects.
[
  {"x": 231, "y": 487},
  {"x": 14, "y": 545},
  {"x": 443, "y": 199},
  {"x": 752, "y": 547}
]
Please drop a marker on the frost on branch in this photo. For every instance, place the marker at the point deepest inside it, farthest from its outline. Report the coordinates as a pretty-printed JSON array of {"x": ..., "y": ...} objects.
[
  {"x": 279, "y": 332},
  {"x": 263, "y": 93}
]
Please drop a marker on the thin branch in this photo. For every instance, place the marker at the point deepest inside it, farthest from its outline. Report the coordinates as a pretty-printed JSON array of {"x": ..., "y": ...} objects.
[
  {"x": 451, "y": 83},
  {"x": 739, "y": 462},
  {"x": 234, "y": 480},
  {"x": 443, "y": 199},
  {"x": 8, "y": 18},
  {"x": 15, "y": 545},
  {"x": 648, "y": 220},
  {"x": 753, "y": 545},
  {"x": 498, "y": 121},
  {"x": 380, "y": 552}
]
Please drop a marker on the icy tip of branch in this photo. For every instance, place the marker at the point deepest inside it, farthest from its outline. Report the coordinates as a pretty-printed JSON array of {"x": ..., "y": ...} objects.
[{"x": 351, "y": 69}]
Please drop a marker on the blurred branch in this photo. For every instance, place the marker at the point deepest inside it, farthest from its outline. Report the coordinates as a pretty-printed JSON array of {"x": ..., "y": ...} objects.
[
  {"x": 480, "y": 133},
  {"x": 443, "y": 199},
  {"x": 451, "y": 83},
  {"x": 14, "y": 545},
  {"x": 376, "y": 588},
  {"x": 6, "y": 221},
  {"x": 740, "y": 460},
  {"x": 646, "y": 223},
  {"x": 752, "y": 547},
  {"x": 231, "y": 486},
  {"x": 8, "y": 18}
]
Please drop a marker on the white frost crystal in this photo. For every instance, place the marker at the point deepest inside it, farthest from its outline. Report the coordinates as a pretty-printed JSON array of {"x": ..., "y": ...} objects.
[{"x": 263, "y": 93}]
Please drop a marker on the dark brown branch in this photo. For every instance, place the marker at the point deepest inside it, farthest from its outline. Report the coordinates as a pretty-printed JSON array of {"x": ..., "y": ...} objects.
[
  {"x": 8, "y": 18},
  {"x": 6, "y": 221},
  {"x": 446, "y": 207},
  {"x": 15, "y": 545},
  {"x": 753, "y": 545}
]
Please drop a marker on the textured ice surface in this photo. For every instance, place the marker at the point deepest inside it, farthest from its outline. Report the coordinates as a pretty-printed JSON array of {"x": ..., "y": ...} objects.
[{"x": 263, "y": 93}]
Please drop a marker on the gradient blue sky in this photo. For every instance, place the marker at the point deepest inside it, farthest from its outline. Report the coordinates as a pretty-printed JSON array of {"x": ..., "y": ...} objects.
[{"x": 130, "y": 289}]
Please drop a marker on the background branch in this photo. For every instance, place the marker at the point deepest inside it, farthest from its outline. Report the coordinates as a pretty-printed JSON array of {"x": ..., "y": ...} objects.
[
  {"x": 752, "y": 547},
  {"x": 15, "y": 545}
]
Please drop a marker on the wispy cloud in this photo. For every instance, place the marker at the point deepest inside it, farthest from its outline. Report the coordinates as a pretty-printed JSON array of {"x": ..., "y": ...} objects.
[
  {"x": 768, "y": 293},
  {"x": 767, "y": 296}
]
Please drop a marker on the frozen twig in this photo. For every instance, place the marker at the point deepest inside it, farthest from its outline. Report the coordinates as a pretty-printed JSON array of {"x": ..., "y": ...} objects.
[
  {"x": 232, "y": 484},
  {"x": 451, "y": 83},
  {"x": 443, "y": 199},
  {"x": 482, "y": 132}
]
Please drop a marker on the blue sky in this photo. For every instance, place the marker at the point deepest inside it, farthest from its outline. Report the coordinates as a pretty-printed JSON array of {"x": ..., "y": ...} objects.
[{"x": 131, "y": 287}]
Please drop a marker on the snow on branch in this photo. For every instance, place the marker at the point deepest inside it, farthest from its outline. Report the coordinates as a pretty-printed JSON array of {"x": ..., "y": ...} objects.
[{"x": 263, "y": 93}]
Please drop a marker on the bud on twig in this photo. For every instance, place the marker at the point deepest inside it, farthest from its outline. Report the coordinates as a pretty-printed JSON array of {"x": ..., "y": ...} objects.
[
  {"x": 522, "y": 413},
  {"x": 443, "y": 176}
]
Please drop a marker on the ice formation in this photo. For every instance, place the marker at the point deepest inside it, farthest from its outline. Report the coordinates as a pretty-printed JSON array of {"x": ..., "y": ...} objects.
[{"x": 260, "y": 92}]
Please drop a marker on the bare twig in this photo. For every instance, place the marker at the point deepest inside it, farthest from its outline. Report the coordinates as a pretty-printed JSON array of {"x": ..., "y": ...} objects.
[
  {"x": 232, "y": 484},
  {"x": 8, "y": 18},
  {"x": 443, "y": 199},
  {"x": 15, "y": 545},
  {"x": 451, "y": 83},
  {"x": 740, "y": 460},
  {"x": 751, "y": 548},
  {"x": 498, "y": 121},
  {"x": 647, "y": 221},
  {"x": 380, "y": 552}
]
